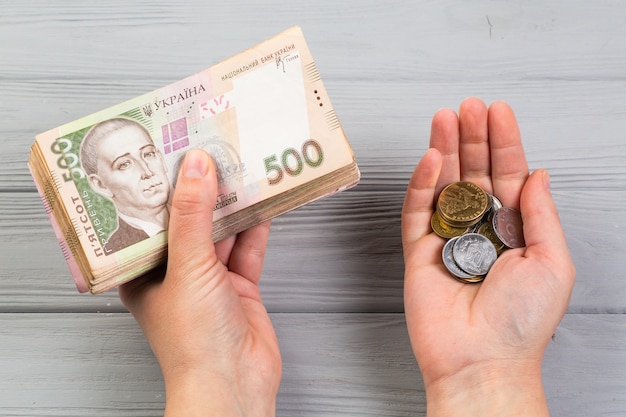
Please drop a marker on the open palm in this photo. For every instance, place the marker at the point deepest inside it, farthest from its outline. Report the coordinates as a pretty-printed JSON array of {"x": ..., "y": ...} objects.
[{"x": 504, "y": 323}]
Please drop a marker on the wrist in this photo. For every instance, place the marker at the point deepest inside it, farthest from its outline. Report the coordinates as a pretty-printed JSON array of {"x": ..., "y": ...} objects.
[
  {"x": 486, "y": 391},
  {"x": 198, "y": 393}
]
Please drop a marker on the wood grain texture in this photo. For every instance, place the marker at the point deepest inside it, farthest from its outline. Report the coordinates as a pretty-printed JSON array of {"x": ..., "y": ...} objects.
[
  {"x": 333, "y": 272},
  {"x": 334, "y": 364},
  {"x": 341, "y": 254},
  {"x": 333, "y": 279}
]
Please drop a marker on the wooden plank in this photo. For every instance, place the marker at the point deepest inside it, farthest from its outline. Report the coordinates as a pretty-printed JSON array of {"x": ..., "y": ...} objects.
[
  {"x": 585, "y": 364},
  {"x": 334, "y": 364},
  {"x": 562, "y": 138},
  {"x": 388, "y": 67},
  {"x": 341, "y": 254},
  {"x": 537, "y": 56},
  {"x": 426, "y": 36}
]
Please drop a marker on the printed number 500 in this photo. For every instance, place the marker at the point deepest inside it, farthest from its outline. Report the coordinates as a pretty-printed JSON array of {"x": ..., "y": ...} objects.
[{"x": 291, "y": 161}]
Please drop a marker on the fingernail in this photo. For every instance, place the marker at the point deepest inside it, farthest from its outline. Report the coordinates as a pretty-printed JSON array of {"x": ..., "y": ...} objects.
[
  {"x": 546, "y": 180},
  {"x": 195, "y": 164}
]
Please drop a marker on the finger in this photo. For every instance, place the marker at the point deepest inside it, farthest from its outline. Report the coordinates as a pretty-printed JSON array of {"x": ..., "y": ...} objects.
[
  {"x": 444, "y": 136},
  {"x": 224, "y": 247},
  {"x": 474, "y": 143},
  {"x": 248, "y": 253},
  {"x": 418, "y": 202},
  {"x": 191, "y": 220},
  {"x": 544, "y": 236},
  {"x": 140, "y": 291},
  {"x": 509, "y": 169}
]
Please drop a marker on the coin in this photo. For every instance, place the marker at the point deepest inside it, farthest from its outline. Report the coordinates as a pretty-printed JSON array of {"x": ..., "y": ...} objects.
[
  {"x": 507, "y": 224},
  {"x": 466, "y": 215},
  {"x": 443, "y": 229},
  {"x": 496, "y": 204},
  {"x": 486, "y": 229},
  {"x": 462, "y": 204},
  {"x": 474, "y": 253},
  {"x": 451, "y": 265}
]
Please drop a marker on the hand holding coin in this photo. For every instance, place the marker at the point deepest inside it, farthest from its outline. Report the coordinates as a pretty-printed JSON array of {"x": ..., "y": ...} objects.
[{"x": 480, "y": 346}]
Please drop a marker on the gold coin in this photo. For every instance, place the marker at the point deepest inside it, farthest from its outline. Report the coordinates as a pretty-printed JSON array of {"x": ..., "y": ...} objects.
[
  {"x": 462, "y": 204},
  {"x": 472, "y": 280},
  {"x": 486, "y": 229},
  {"x": 445, "y": 230}
]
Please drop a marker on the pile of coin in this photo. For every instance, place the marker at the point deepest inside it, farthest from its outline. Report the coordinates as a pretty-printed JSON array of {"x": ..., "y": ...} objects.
[{"x": 478, "y": 229}]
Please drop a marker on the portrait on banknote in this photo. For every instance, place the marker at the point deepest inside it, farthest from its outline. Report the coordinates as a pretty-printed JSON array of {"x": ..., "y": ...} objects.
[{"x": 122, "y": 164}]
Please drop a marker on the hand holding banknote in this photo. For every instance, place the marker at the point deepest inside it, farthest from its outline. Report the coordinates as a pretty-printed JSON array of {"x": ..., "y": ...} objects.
[
  {"x": 264, "y": 117},
  {"x": 205, "y": 320},
  {"x": 480, "y": 346}
]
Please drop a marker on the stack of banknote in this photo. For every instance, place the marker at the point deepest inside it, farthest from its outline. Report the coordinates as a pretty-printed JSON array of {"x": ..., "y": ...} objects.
[{"x": 107, "y": 179}]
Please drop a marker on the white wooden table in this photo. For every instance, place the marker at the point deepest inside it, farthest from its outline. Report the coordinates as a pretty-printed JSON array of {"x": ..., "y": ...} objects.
[{"x": 333, "y": 274}]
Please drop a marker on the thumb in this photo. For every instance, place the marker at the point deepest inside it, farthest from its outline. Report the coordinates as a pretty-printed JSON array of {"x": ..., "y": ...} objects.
[
  {"x": 190, "y": 244},
  {"x": 544, "y": 236}
]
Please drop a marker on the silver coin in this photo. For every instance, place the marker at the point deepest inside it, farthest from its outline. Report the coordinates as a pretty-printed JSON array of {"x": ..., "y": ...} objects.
[
  {"x": 451, "y": 265},
  {"x": 496, "y": 204},
  {"x": 507, "y": 223},
  {"x": 474, "y": 253}
]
